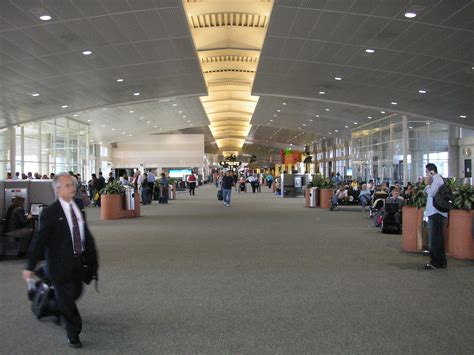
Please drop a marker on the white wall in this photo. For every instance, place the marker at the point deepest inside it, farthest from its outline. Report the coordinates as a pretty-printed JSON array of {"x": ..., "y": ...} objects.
[{"x": 162, "y": 151}]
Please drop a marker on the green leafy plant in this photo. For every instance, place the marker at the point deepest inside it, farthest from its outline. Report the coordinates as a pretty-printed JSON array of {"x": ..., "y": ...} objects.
[
  {"x": 418, "y": 197},
  {"x": 463, "y": 197},
  {"x": 316, "y": 181},
  {"x": 327, "y": 183},
  {"x": 112, "y": 188}
]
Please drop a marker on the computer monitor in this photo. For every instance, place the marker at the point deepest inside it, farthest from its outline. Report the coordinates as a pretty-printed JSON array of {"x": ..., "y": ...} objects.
[{"x": 35, "y": 208}]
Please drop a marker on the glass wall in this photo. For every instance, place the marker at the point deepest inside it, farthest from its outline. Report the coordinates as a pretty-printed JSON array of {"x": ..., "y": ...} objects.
[
  {"x": 49, "y": 146},
  {"x": 378, "y": 149}
]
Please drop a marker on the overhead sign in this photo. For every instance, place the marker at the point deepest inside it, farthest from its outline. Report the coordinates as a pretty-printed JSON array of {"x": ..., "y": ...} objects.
[{"x": 230, "y": 164}]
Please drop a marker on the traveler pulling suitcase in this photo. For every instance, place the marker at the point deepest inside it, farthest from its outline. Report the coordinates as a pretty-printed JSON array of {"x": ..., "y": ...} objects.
[{"x": 220, "y": 195}]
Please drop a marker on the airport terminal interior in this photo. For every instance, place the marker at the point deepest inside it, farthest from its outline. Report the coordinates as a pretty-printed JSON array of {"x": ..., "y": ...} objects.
[{"x": 321, "y": 110}]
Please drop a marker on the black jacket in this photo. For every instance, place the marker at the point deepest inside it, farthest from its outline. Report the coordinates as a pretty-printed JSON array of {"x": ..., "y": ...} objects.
[{"x": 54, "y": 242}]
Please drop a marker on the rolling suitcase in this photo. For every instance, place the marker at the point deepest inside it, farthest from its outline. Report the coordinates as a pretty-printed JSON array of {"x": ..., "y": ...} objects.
[{"x": 220, "y": 195}]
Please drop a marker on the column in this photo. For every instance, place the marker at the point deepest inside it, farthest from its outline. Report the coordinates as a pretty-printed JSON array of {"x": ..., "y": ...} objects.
[
  {"x": 453, "y": 150},
  {"x": 406, "y": 178},
  {"x": 12, "y": 151}
]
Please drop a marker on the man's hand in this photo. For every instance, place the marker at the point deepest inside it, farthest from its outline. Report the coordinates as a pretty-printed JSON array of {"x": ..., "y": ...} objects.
[{"x": 27, "y": 274}]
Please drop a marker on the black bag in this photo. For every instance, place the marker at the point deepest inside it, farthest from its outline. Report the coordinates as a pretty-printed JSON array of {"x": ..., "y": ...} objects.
[
  {"x": 43, "y": 302},
  {"x": 443, "y": 200},
  {"x": 220, "y": 195}
]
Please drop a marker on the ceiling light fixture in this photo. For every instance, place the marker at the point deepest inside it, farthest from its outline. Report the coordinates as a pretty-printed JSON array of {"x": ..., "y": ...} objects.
[
  {"x": 355, "y": 123},
  {"x": 123, "y": 132},
  {"x": 74, "y": 115},
  {"x": 89, "y": 120},
  {"x": 336, "y": 130},
  {"x": 87, "y": 52},
  {"x": 136, "y": 94},
  {"x": 275, "y": 115},
  {"x": 283, "y": 103},
  {"x": 338, "y": 78},
  {"x": 346, "y": 126},
  {"x": 35, "y": 94},
  {"x": 64, "y": 106},
  {"x": 317, "y": 115},
  {"x": 394, "y": 103},
  {"x": 174, "y": 105},
  {"x": 131, "y": 111},
  {"x": 155, "y": 126},
  {"x": 184, "y": 116},
  {"x": 410, "y": 127},
  {"x": 370, "y": 50},
  {"x": 45, "y": 18},
  {"x": 382, "y": 111},
  {"x": 410, "y": 14},
  {"x": 369, "y": 117},
  {"x": 119, "y": 80},
  {"x": 113, "y": 129},
  {"x": 463, "y": 116},
  {"x": 322, "y": 93},
  {"x": 422, "y": 91},
  {"x": 148, "y": 121},
  {"x": 327, "y": 110},
  {"x": 278, "y": 110}
]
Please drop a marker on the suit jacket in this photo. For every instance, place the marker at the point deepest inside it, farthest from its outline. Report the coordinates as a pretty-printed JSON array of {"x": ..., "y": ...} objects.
[{"x": 53, "y": 241}]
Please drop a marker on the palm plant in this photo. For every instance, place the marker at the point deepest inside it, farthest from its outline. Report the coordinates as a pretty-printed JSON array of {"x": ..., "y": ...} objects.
[
  {"x": 112, "y": 188},
  {"x": 418, "y": 197},
  {"x": 463, "y": 197}
]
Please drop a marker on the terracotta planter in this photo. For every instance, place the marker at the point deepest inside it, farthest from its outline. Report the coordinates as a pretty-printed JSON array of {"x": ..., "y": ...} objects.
[
  {"x": 325, "y": 197},
  {"x": 410, "y": 228},
  {"x": 460, "y": 240},
  {"x": 318, "y": 197},
  {"x": 111, "y": 206}
]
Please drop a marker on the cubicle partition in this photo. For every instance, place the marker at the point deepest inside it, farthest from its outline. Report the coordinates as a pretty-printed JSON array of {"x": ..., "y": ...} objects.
[{"x": 35, "y": 192}]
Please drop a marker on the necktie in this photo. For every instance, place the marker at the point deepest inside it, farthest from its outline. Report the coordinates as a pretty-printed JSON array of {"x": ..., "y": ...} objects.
[{"x": 76, "y": 234}]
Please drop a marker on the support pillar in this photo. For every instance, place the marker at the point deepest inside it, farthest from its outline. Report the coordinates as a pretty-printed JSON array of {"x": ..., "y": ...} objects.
[
  {"x": 453, "y": 151},
  {"x": 406, "y": 178}
]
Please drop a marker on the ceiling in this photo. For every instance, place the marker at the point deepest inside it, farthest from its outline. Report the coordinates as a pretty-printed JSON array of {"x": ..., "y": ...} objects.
[{"x": 160, "y": 54}]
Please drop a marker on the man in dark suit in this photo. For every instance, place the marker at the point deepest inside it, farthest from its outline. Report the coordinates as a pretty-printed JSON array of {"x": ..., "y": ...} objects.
[{"x": 68, "y": 246}]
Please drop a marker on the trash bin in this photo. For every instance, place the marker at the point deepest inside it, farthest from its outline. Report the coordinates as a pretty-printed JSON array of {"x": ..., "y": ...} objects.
[
  {"x": 129, "y": 198},
  {"x": 312, "y": 197}
]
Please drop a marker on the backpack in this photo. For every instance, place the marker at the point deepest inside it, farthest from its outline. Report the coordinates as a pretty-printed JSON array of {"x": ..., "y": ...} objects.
[{"x": 443, "y": 199}]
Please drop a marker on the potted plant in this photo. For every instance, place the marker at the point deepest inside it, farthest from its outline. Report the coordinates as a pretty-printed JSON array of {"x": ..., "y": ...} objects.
[
  {"x": 327, "y": 191},
  {"x": 413, "y": 219},
  {"x": 460, "y": 240},
  {"x": 111, "y": 200}
]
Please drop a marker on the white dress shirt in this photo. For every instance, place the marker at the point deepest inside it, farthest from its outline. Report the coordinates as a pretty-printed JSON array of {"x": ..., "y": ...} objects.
[{"x": 80, "y": 220}]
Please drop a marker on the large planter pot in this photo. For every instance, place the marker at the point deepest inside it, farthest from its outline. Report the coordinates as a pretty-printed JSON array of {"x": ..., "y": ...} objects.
[
  {"x": 410, "y": 228},
  {"x": 111, "y": 206},
  {"x": 460, "y": 240},
  {"x": 326, "y": 195},
  {"x": 307, "y": 197},
  {"x": 318, "y": 197}
]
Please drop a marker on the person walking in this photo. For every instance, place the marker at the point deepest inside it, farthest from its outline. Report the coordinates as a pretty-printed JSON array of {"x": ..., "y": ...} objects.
[
  {"x": 67, "y": 242},
  {"x": 192, "y": 184},
  {"x": 100, "y": 185},
  {"x": 151, "y": 184},
  {"x": 436, "y": 219},
  {"x": 227, "y": 183}
]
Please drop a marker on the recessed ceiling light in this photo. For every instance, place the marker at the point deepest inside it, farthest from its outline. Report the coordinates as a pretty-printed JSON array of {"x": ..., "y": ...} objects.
[
  {"x": 463, "y": 116},
  {"x": 74, "y": 115},
  {"x": 64, "y": 106},
  {"x": 188, "y": 121},
  {"x": 283, "y": 103},
  {"x": 129, "y": 135},
  {"x": 382, "y": 111},
  {"x": 304, "y": 124},
  {"x": 123, "y": 132},
  {"x": 346, "y": 126},
  {"x": 271, "y": 120},
  {"x": 131, "y": 111},
  {"x": 119, "y": 80},
  {"x": 329, "y": 133},
  {"x": 103, "y": 125},
  {"x": 317, "y": 115},
  {"x": 184, "y": 116},
  {"x": 148, "y": 121},
  {"x": 336, "y": 130},
  {"x": 394, "y": 103},
  {"x": 100, "y": 142},
  {"x": 89, "y": 120},
  {"x": 355, "y": 123},
  {"x": 45, "y": 18},
  {"x": 327, "y": 110},
  {"x": 410, "y": 127},
  {"x": 190, "y": 124},
  {"x": 275, "y": 115},
  {"x": 310, "y": 120},
  {"x": 369, "y": 117},
  {"x": 422, "y": 91},
  {"x": 369, "y": 50},
  {"x": 161, "y": 129},
  {"x": 410, "y": 14},
  {"x": 180, "y": 111},
  {"x": 35, "y": 94},
  {"x": 155, "y": 126},
  {"x": 113, "y": 129},
  {"x": 92, "y": 140},
  {"x": 291, "y": 144},
  {"x": 136, "y": 94},
  {"x": 87, "y": 52},
  {"x": 337, "y": 78},
  {"x": 322, "y": 93},
  {"x": 141, "y": 117},
  {"x": 278, "y": 110},
  {"x": 174, "y": 105}
]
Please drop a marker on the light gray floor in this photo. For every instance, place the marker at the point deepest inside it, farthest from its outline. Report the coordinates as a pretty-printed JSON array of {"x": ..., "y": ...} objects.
[{"x": 264, "y": 276}]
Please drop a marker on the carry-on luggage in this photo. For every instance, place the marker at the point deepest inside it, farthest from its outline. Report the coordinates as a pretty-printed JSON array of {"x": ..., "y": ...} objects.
[
  {"x": 42, "y": 297},
  {"x": 220, "y": 195}
]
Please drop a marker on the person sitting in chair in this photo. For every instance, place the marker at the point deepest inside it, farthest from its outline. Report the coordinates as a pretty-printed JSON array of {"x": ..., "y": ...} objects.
[
  {"x": 396, "y": 198},
  {"x": 364, "y": 196},
  {"x": 340, "y": 194},
  {"x": 18, "y": 224}
]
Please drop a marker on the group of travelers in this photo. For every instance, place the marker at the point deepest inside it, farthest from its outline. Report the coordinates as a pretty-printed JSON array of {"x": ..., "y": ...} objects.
[
  {"x": 29, "y": 176},
  {"x": 386, "y": 204}
]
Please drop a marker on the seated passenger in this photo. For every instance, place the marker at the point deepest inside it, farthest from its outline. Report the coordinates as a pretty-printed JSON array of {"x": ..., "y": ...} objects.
[
  {"x": 364, "y": 196},
  {"x": 18, "y": 224},
  {"x": 396, "y": 198},
  {"x": 408, "y": 192},
  {"x": 340, "y": 194}
]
